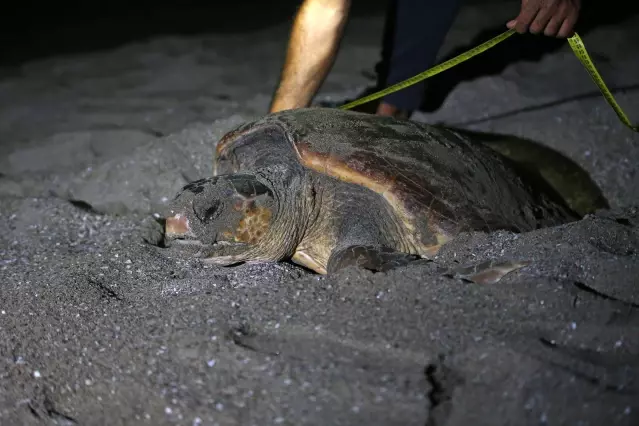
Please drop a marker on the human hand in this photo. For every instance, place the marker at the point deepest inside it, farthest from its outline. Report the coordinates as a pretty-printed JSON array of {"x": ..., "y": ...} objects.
[{"x": 556, "y": 18}]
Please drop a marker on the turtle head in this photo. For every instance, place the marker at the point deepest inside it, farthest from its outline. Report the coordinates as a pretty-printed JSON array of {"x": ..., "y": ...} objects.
[{"x": 226, "y": 218}]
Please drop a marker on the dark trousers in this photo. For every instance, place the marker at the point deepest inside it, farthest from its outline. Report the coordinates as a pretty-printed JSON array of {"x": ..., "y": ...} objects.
[{"x": 413, "y": 34}]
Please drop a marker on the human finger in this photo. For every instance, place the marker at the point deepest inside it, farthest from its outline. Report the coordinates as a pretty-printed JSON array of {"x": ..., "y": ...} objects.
[
  {"x": 556, "y": 21},
  {"x": 567, "y": 28},
  {"x": 529, "y": 10},
  {"x": 544, "y": 15}
]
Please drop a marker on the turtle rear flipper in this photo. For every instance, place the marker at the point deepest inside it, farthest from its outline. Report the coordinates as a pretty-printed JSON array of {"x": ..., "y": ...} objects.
[{"x": 488, "y": 272}]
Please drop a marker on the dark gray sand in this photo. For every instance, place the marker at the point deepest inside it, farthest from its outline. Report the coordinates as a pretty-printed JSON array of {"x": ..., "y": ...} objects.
[{"x": 97, "y": 327}]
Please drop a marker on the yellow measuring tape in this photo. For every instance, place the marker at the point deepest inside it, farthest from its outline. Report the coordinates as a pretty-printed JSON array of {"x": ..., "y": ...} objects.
[{"x": 575, "y": 42}]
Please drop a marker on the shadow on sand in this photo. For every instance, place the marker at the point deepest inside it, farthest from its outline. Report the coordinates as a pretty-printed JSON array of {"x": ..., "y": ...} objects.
[
  {"x": 546, "y": 105},
  {"x": 547, "y": 167}
]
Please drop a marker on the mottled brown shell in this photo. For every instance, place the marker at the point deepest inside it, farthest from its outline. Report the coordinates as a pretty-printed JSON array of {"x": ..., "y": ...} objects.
[{"x": 429, "y": 174}]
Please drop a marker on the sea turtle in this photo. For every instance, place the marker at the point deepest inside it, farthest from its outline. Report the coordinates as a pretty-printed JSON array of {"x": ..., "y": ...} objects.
[{"x": 328, "y": 188}]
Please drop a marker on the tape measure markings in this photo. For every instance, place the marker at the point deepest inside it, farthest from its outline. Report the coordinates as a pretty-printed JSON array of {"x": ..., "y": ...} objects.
[{"x": 579, "y": 49}]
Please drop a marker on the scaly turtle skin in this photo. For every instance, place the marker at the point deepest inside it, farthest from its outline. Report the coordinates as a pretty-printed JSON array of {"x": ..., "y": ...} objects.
[{"x": 329, "y": 188}]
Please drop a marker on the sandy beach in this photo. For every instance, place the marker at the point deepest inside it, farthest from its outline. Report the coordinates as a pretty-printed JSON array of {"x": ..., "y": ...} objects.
[{"x": 98, "y": 327}]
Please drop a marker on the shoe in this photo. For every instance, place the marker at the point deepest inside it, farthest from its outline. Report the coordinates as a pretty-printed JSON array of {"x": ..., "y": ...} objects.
[
  {"x": 368, "y": 107},
  {"x": 388, "y": 110}
]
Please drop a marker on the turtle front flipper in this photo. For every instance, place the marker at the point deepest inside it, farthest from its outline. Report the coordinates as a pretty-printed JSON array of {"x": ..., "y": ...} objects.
[{"x": 373, "y": 258}]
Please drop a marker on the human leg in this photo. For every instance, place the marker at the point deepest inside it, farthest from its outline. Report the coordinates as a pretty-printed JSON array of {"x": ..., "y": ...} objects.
[{"x": 417, "y": 33}]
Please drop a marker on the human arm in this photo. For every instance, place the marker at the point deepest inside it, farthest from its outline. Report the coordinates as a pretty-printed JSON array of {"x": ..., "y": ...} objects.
[
  {"x": 556, "y": 18},
  {"x": 313, "y": 44}
]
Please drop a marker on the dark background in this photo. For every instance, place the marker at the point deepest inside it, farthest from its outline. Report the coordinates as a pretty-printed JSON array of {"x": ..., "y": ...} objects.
[{"x": 33, "y": 29}]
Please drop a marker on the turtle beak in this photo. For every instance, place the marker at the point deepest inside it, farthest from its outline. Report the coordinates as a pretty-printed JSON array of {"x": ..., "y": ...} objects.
[{"x": 177, "y": 227}]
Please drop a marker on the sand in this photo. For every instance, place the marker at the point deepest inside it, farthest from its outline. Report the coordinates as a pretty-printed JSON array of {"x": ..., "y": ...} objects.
[{"x": 98, "y": 327}]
